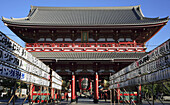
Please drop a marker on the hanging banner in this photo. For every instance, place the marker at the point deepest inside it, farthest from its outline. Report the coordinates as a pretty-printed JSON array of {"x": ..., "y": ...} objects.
[
  {"x": 10, "y": 72},
  {"x": 7, "y": 57},
  {"x": 13, "y": 54},
  {"x": 12, "y": 46},
  {"x": 150, "y": 68},
  {"x": 23, "y": 76},
  {"x": 45, "y": 75},
  {"x": 23, "y": 64},
  {"x": 56, "y": 86},
  {"x": 54, "y": 74},
  {"x": 56, "y": 81}
]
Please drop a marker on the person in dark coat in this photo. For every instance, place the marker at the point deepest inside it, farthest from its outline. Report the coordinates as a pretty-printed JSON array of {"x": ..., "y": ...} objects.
[
  {"x": 77, "y": 98},
  {"x": 67, "y": 97},
  {"x": 105, "y": 97}
]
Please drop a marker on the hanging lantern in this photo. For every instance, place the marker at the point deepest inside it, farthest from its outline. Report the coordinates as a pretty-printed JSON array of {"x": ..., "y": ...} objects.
[{"x": 84, "y": 84}]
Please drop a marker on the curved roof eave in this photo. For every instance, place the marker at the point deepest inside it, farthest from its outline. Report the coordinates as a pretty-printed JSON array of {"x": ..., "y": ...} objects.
[
  {"x": 14, "y": 19},
  {"x": 11, "y": 23}
]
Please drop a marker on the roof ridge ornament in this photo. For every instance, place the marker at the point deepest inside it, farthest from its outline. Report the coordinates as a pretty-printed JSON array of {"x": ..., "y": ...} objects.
[
  {"x": 137, "y": 13},
  {"x": 2, "y": 18},
  {"x": 31, "y": 7},
  {"x": 33, "y": 13},
  {"x": 139, "y": 6}
]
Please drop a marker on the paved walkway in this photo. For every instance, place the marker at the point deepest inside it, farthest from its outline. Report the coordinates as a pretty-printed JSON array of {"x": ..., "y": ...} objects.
[
  {"x": 86, "y": 101},
  {"x": 81, "y": 101}
]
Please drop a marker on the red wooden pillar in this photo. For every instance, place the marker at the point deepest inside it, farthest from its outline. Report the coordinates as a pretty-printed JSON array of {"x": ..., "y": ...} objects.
[
  {"x": 52, "y": 93},
  {"x": 32, "y": 88},
  {"x": 70, "y": 86},
  {"x": 57, "y": 98},
  {"x": 55, "y": 95},
  {"x": 73, "y": 97},
  {"x": 91, "y": 87},
  {"x": 139, "y": 94},
  {"x": 96, "y": 92},
  {"x": 134, "y": 43},
  {"x": 118, "y": 93}
]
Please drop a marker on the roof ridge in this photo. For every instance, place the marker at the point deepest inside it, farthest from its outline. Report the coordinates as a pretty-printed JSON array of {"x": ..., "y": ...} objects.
[{"x": 86, "y": 8}]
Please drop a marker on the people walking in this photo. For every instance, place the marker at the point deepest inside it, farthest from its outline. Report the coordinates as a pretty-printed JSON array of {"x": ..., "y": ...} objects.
[
  {"x": 105, "y": 96},
  {"x": 67, "y": 96},
  {"x": 77, "y": 98}
]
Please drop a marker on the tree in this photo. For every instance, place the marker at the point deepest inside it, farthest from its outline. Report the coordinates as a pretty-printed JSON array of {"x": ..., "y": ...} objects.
[{"x": 157, "y": 88}]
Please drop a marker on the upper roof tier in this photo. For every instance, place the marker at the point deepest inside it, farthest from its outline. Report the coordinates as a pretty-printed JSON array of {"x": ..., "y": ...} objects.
[{"x": 84, "y": 16}]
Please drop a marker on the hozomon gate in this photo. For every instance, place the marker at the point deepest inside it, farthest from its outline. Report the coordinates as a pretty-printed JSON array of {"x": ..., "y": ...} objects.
[{"x": 90, "y": 42}]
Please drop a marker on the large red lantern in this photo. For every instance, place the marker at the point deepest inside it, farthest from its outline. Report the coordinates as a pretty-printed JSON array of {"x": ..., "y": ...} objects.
[{"x": 84, "y": 83}]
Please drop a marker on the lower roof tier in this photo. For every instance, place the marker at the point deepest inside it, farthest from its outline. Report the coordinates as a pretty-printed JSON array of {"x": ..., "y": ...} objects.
[{"x": 113, "y": 56}]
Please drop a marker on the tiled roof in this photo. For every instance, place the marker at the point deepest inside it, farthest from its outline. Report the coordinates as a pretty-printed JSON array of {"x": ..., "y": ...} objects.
[
  {"x": 88, "y": 55},
  {"x": 85, "y": 16}
]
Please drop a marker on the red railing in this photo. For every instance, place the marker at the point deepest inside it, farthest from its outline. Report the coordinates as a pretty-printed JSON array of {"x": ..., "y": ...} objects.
[{"x": 121, "y": 46}]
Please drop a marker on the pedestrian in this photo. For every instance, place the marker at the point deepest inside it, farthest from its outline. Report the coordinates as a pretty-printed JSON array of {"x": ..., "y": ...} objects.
[
  {"x": 162, "y": 95},
  {"x": 131, "y": 100},
  {"x": 77, "y": 98},
  {"x": 105, "y": 97},
  {"x": 67, "y": 96}
]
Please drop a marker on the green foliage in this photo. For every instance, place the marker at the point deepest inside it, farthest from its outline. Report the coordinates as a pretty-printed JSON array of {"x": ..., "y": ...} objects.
[
  {"x": 156, "y": 88},
  {"x": 167, "y": 84}
]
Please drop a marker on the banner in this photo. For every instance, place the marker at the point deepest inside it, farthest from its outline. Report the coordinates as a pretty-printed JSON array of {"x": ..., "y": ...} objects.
[
  {"x": 20, "y": 51},
  {"x": 8, "y": 58},
  {"x": 56, "y": 86},
  {"x": 54, "y": 74},
  {"x": 13, "y": 54},
  {"x": 12, "y": 46},
  {"x": 10, "y": 72},
  {"x": 59, "y": 82},
  {"x": 150, "y": 68}
]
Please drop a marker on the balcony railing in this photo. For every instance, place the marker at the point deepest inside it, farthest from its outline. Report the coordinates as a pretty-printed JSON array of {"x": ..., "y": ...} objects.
[{"x": 86, "y": 47}]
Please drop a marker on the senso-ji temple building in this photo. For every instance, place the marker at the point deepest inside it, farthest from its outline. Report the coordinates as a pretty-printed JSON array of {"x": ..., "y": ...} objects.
[{"x": 86, "y": 43}]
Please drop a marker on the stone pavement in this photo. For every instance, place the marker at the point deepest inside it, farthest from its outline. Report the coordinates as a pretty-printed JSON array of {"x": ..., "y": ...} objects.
[
  {"x": 81, "y": 101},
  {"x": 86, "y": 101}
]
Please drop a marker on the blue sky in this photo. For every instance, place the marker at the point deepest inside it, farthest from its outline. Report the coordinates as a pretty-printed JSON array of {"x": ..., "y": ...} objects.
[{"x": 150, "y": 8}]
